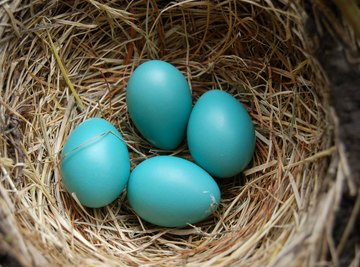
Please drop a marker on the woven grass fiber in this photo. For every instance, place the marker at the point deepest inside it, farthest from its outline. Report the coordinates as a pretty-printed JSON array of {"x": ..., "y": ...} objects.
[{"x": 66, "y": 61}]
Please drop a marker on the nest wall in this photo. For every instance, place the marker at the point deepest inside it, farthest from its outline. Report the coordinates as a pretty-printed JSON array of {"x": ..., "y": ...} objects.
[{"x": 66, "y": 61}]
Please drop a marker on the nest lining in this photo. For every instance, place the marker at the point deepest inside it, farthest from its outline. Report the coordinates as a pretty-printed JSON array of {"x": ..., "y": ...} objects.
[{"x": 64, "y": 63}]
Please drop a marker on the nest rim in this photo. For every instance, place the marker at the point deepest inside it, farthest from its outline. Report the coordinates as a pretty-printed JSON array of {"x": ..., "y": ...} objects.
[{"x": 48, "y": 220}]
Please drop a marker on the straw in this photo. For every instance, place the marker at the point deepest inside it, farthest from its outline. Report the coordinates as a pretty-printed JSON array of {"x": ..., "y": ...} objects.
[{"x": 58, "y": 52}]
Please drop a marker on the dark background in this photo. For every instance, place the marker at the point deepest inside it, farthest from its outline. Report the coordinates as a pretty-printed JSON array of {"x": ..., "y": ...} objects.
[{"x": 341, "y": 64}]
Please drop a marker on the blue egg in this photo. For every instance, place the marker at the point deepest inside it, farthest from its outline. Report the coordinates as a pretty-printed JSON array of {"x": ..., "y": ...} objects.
[
  {"x": 172, "y": 192},
  {"x": 95, "y": 163},
  {"x": 221, "y": 135},
  {"x": 159, "y": 102}
]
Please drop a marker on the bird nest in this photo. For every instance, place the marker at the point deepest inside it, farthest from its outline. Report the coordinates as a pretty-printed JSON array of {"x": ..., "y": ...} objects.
[{"x": 66, "y": 61}]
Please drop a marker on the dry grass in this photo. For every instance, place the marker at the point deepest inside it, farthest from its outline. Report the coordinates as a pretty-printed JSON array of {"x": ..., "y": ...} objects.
[{"x": 65, "y": 61}]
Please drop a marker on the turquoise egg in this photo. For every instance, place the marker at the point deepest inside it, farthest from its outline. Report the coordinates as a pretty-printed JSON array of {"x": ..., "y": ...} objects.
[
  {"x": 221, "y": 135},
  {"x": 172, "y": 192},
  {"x": 95, "y": 163},
  {"x": 159, "y": 102}
]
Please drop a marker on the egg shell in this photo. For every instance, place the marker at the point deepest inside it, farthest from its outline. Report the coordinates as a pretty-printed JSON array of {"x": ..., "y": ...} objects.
[
  {"x": 221, "y": 135},
  {"x": 95, "y": 163},
  {"x": 172, "y": 192},
  {"x": 159, "y": 102}
]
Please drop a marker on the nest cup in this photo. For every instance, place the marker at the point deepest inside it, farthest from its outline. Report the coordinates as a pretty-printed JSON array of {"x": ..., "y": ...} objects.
[{"x": 67, "y": 61}]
